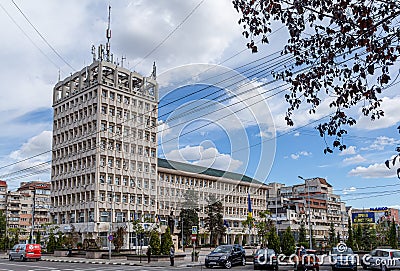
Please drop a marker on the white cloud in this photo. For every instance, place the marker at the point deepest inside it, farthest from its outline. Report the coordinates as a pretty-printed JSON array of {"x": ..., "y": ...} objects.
[
  {"x": 296, "y": 134},
  {"x": 348, "y": 151},
  {"x": 206, "y": 157},
  {"x": 390, "y": 107},
  {"x": 163, "y": 129},
  {"x": 381, "y": 142},
  {"x": 354, "y": 160},
  {"x": 37, "y": 166},
  {"x": 296, "y": 156},
  {"x": 35, "y": 145},
  {"x": 373, "y": 171},
  {"x": 349, "y": 190}
]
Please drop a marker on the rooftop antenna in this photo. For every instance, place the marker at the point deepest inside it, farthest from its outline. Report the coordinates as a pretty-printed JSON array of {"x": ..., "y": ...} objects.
[
  {"x": 108, "y": 35},
  {"x": 122, "y": 61}
]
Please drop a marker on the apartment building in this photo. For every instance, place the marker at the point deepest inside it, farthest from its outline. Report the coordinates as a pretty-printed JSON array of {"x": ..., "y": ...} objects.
[
  {"x": 312, "y": 203},
  {"x": 104, "y": 164},
  {"x": 35, "y": 206},
  {"x": 232, "y": 189},
  {"x": 30, "y": 198},
  {"x": 3, "y": 195}
]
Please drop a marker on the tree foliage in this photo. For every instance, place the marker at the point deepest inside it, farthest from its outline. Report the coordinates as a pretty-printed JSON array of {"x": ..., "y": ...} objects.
[
  {"x": 189, "y": 213},
  {"x": 273, "y": 240},
  {"x": 119, "y": 240},
  {"x": 393, "y": 235},
  {"x": 190, "y": 218},
  {"x": 166, "y": 242},
  {"x": 395, "y": 158},
  {"x": 341, "y": 49},
  {"x": 303, "y": 236},
  {"x": 288, "y": 243},
  {"x": 155, "y": 243},
  {"x": 263, "y": 226},
  {"x": 332, "y": 241},
  {"x": 350, "y": 239},
  {"x": 214, "y": 221}
]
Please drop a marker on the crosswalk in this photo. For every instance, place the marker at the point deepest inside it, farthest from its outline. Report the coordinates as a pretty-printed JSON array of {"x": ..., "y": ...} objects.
[{"x": 89, "y": 267}]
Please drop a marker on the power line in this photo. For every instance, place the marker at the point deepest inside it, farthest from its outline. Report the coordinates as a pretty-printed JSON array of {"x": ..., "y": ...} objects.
[
  {"x": 178, "y": 99},
  {"x": 29, "y": 38},
  {"x": 43, "y": 38},
  {"x": 296, "y": 71},
  {"x": 171, "y": 33}
]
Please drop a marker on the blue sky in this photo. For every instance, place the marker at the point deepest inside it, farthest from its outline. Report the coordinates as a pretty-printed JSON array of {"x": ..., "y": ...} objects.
[{"x": 204, "y": 51}]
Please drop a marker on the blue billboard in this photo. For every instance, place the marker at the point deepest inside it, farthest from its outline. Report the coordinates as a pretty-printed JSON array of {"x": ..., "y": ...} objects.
[{"x": 364, "y": 217}]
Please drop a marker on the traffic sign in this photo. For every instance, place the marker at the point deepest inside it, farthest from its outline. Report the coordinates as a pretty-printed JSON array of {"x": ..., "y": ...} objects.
[
  {"x": 110, "y": 237},
  {"x": 194, "y": 237},
  {"x": 194, "y": 229}
]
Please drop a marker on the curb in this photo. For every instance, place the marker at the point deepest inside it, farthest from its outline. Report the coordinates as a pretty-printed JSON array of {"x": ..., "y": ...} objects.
[{"x": 90, "y": 262}]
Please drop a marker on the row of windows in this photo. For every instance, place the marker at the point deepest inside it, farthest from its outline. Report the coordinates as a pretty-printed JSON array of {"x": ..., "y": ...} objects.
[
  {"x": 127, "y": 148},
  {"x": 75, "y": 116},
  {"x": 72, "y": 166},
  {"x": 77, "y": 132},
  {"x": 73, "y": 198},
  {"x": 76, "y": 181},
  {"x": 75, "y": 102},
  {"x": 127, "y": 164},
  {"x": 74, "y": 149},
  {"x": 125, "y": 114},
  {"x": 119, "y": 98},
  {"x": 206, "y": 183},
  {"x": 128, "y": 132},
  {"x": 127, "y": 181}
]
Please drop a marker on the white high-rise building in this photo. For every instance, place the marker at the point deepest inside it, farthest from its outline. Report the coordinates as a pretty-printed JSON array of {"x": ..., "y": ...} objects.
[{"x": 104, "y": 154}]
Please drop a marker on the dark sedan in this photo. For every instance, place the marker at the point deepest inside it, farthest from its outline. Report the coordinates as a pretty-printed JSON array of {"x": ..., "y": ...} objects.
[{"x": 226, "y": 256}]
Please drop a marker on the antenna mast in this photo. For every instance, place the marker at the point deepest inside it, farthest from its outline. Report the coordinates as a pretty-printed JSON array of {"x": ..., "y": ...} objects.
[{"x": 108, "y": 35}]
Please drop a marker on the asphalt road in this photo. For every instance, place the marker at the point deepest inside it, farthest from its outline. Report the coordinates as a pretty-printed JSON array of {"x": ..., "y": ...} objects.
[{"x": 6, "y": 265}]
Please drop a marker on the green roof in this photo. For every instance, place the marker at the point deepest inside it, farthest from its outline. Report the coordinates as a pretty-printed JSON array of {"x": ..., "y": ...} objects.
[{"x": 163, "y": 163}]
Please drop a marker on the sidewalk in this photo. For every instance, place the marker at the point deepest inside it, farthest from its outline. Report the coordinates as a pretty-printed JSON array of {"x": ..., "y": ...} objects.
[
  {"x": 118, "y": 261},
  {"x": 185, "y": 263}
]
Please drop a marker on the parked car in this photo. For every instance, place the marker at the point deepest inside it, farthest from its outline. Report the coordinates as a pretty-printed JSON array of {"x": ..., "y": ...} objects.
[
  {"x": 306, "y": 259},
  {"x": 265, "y": 258},
  {"x": 226, "y": 256},
  {"x": 25, "y": 251},
  {"x": 343, "y": 258},
  {"x": 383, "y": 259}
]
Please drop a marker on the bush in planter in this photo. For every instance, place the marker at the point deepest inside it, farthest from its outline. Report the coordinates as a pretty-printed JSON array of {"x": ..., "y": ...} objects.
[{"x": 79, "y": 245}]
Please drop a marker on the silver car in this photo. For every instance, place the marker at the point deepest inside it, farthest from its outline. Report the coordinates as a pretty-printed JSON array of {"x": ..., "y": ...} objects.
[{"x": 382, "y": 258}]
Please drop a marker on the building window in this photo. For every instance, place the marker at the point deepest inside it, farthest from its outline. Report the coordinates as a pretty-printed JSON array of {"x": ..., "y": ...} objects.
[
  {"x": 105, "y": 217},
  {"x": 112, "y": 96}
]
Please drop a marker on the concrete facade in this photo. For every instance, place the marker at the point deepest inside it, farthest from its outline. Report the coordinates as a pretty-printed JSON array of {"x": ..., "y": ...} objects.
[
  {"x": 104, "y": 148},
  {"x": 231, "y": 189}
]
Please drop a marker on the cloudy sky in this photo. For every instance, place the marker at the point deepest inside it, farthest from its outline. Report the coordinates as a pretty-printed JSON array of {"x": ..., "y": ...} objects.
[{"x": 233, "y": 120}]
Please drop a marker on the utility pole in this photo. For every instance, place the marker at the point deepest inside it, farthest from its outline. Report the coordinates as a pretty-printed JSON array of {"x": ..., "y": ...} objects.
[
  {"x": 308, "y": 206},
  {"x": 183, "y": 248},
  {"x": 110, "y": 237},
  {"x": 33, "y": 215}
]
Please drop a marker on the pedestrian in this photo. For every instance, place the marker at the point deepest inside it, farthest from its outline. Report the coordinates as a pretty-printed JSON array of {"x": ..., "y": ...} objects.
[
  {"x": 148, "y": 253},
  {"x": 172, "y": 255}
]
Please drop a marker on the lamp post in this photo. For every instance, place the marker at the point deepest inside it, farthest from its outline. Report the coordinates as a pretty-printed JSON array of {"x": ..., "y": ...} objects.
[
  {"x": 33, "y": 215},
  {"x": 110, "y": 237},
  {"x": 308, "y": 206}
]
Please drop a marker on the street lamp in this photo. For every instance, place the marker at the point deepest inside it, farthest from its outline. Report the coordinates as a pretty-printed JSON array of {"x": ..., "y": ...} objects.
[
  {"x": 308, "y": 206},
  {"x": 111, "y": 224},
  {"x": 33, "y": 215}
]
